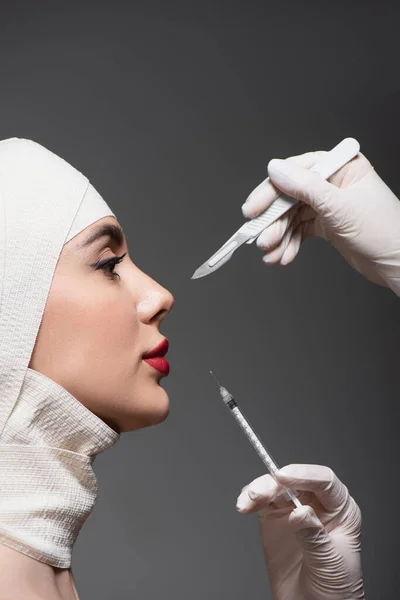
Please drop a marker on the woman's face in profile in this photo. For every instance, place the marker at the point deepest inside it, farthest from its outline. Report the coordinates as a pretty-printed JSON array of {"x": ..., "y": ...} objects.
[{"x": 97, "y": 325}]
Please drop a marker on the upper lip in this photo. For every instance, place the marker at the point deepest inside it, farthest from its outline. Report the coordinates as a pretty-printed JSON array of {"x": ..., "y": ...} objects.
[{"x": 160, "y": 350}]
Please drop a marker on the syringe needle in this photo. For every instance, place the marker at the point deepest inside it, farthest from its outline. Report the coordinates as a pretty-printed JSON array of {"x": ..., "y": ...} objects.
[
  {"x": 217, "y": 382},
  {"x": 267, "y": 459}
]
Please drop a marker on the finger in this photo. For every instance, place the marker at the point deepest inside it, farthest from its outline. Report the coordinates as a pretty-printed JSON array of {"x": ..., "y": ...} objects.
[
  {"x": 275, "y": 256},
  {"x": 309, "y": 229},
  {"x": 260, "y": 493},
  {"x": 293, "y": 247},
  {"x": 265, "y": 493},
  {"x": 352, "y": 171},
  {"x": 301, "y": 184},
  {"x": 272, "y": 236},
  {"x": 303, "y": 231},
  {"x": 320, "y": 480},
  {"x": 302, "y": 227},
  {"x": 266, "y": 193},
  {"x": 320, "y": 557}
]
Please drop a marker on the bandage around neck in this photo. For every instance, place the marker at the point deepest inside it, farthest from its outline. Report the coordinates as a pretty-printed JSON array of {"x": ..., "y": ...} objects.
[{"x": 48, "y": 439}]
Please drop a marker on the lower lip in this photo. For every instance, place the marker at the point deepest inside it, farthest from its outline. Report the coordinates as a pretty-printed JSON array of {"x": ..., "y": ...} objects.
[{"x": 160, "y": 363}]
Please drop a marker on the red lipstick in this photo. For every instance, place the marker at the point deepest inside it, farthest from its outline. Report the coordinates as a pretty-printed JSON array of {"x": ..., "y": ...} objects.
[{"x": 155, "y": 358}]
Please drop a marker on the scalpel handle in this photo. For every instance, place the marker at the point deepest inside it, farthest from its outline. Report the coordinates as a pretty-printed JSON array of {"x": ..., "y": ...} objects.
[{"x": 326, "y": 167}]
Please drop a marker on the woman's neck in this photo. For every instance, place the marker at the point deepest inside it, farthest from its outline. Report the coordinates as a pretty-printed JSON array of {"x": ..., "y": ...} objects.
[
  {"x": 22, "y": 577},
  {"x": 48, "y": 486}
]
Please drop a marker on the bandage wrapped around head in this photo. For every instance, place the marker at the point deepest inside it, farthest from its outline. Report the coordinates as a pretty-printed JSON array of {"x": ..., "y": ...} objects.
[{"x": 48, "y": 439}]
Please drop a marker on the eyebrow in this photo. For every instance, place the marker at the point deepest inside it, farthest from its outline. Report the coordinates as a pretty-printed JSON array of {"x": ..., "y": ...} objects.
[{"x": 114, "y": 232}]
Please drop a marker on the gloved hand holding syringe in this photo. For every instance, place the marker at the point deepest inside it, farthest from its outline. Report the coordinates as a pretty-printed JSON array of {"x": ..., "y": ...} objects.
[
  {"x": 312, "y": 550},
  {"x": 262, "y": 452}
]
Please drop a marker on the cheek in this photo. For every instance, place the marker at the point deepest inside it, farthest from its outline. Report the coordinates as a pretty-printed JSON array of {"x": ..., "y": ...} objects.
[{"x": 88, "y": 329}]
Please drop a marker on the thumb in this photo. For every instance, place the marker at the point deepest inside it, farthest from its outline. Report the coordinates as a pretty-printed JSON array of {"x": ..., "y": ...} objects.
[
  {"x": 320, "y": 557},
  {"x": 301, "y": 184}
]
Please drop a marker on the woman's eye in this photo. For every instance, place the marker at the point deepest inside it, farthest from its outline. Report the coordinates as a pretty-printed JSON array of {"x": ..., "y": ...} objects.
[{"x": 108, "y": 266}]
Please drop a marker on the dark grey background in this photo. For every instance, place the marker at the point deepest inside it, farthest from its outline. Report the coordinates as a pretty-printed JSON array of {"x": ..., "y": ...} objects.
[{"x": 173, "y": 110}]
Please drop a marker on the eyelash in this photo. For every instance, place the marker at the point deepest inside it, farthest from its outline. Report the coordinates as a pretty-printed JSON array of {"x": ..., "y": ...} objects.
[{"x": 108, "y": 265}]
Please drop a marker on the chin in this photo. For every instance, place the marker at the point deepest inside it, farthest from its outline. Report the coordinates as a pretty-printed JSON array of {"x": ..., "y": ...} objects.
[
  {"x": 157, "y": 410},
  {"x": 161, "y": 416},
  {"x": 160, "y": 409}
]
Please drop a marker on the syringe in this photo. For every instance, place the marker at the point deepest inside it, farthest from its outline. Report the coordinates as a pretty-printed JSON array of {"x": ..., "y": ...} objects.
[{"x": 267, "y": 459}]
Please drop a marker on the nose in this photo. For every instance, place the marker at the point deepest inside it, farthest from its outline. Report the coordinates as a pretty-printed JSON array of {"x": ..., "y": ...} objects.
[{"x": 155, "y": 303}]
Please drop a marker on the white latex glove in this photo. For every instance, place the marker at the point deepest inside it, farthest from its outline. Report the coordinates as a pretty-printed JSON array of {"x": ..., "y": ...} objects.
[
  {"x": 355, "y": 211},
  {"x": 311, "y": 552}
]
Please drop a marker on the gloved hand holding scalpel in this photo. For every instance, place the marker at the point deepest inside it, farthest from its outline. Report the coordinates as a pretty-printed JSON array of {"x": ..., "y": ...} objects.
[{"x": 355, "y": 210}]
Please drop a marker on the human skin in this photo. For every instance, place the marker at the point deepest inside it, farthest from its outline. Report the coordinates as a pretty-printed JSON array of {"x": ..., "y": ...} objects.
[
  {"x": 96, "y": 327},
  {"x": 24, "y": 578}
]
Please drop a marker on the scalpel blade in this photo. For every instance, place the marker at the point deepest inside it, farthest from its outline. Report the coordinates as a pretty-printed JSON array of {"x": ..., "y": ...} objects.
[{"x": 221, "y": 256}]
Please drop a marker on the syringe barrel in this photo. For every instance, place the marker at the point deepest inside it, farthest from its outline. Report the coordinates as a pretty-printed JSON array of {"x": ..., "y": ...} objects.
[
  {"x": 254, "y": 440},
  {"x": 257, "y": 445}
]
